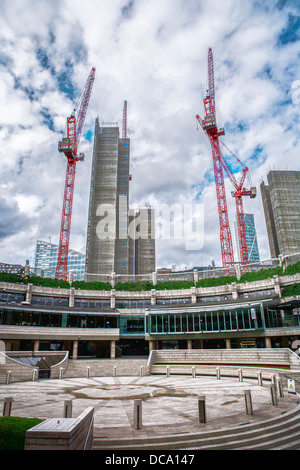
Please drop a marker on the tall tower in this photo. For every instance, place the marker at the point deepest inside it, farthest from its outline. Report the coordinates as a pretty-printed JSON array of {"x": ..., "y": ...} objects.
[
  {"x": 107, "y": 248},
  {"x": 281, "y": 203}
]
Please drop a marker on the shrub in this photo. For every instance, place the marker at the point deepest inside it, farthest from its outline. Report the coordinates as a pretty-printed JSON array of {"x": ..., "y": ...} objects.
[
  {"x": 46, "y": 282},
  {"x": 172, "y": 285},
  {"x": 216, "y": 281},
  {"x": 134, "y": 286},
  {"x": 93, "y": 285},
  {"x": 291, "y": 291}
]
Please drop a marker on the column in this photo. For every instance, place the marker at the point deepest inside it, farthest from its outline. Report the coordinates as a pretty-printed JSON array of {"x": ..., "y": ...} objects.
[
  {"x": 112, "y": 349},
  {"x": 268, "y": 343},
  {"x": 190, "y": 344},
  {"x": 75, "y": 349},
  {"x": 36, "y": 345},
  {"x": 71, "y": 296},
  {"x": 113, "y": 298},
  {"x": 228, "y": 343},
  {"x": 28, "y": 293},
  {"x": 151, "y": 346}
]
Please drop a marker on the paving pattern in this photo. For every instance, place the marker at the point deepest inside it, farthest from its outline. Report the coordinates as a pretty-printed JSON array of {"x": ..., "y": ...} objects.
[{"x": 169, "y": 404}]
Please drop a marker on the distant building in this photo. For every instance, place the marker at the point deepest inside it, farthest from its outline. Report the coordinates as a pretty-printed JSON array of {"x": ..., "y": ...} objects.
[
  {"x": 281, "y": 203},
  {"x": 251, "y": 239},
  {"x": 45, "y": 260}
]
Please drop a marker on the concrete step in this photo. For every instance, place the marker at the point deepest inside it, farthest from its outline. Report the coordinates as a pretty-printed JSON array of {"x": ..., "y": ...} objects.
[{"x": 284, "y": 430}]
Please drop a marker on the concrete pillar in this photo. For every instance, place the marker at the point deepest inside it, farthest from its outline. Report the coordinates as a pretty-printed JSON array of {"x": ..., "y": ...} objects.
[
  {"x": 234, "y": 291},
  {"x": 70, "y": 277},
  {"x": 194, "y": 295},
  {"x": 112, "y": 349},
  {"x": 240, "y": 374},
  {"x": 268, "y": 343},
  {"x": 7, "y": 406},
  {"x": 218, "y": 374},
  {"x": 228, "y": 343},
  {"x": 190, "y": 344},
  {"x": 36, "y": 345},
  {"x": 67, "y": 409},
  {"x": 75, "y": 349},
  {"x": 113, "y": 298},
  {"x": 71, "y": 296},
  {"x": 274, "y": 401},
  {"x": 248, "y": 402},
  {"x": 201, "y": 409},
  {"x": 193, "y": 371},
  {"x": 28, "y": 293},
  {"x": 196, "y": 276},
  {"x": 8, "y": 374},
  {"x": 259, "y": 378},
  {"x": 151, "y": 346},
  {"x": 154, "y": 278},
  {"x": 137, "y": 414},
  {"x": 153, "y": 297},
  {"x": 113, "y": 279}
]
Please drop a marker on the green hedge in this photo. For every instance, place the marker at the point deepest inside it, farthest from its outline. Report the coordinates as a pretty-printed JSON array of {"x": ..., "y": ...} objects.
[
  {"x": 134, "y": 286},
  {"x": 93, "y": 285},
  {"x": 13, "y": 430},
  {"x": 7, "y": 277},
  {"x": 262, "y": 274},
  {"x": 216, "y": 281},
  {"x": 291, "y": 291},
  {"x": 46, "y": 282},
  {"x": 172, "y": 285}
]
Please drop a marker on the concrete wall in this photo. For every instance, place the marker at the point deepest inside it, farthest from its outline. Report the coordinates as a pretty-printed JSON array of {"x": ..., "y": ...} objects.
[{"x": 62, "y": 433}]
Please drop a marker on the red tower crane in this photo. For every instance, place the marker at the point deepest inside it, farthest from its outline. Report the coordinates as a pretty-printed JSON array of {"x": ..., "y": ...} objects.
[
  {"x": 209, "y": 126},
  {"x": 69, "y": 146}
]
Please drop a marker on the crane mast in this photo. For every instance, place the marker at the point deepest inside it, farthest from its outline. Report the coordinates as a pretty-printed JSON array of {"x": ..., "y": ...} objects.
[
  {"x": 209, "y": 126},
  {"x": 69, "y": 146}
]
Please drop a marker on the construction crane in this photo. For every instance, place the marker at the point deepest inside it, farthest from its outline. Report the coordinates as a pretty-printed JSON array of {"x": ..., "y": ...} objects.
[
  {"x": 209, "y": 126},
  {"x": 69, "y": 146}
]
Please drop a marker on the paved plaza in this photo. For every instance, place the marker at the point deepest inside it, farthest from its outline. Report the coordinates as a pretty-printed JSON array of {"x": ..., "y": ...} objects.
[{"x": 169, "y": 404}]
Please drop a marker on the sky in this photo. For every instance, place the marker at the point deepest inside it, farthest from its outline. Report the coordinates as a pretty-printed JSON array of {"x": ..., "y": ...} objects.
[{"x": 152, "y": 53}]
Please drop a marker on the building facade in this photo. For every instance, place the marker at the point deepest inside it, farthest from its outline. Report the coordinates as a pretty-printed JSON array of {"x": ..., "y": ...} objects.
[
  {"x": 251, "y": 239},
  {"x": 281, "y": 203},
  {"x": 116, "y": 323},
  {"x": 45, "y": 261}
]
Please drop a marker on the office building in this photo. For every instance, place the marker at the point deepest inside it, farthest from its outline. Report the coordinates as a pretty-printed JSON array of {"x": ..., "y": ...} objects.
[
  {"x": 251, "y": 239},
  {"x": 45, "y": 261},
  {"x": 281, "y": 203}
]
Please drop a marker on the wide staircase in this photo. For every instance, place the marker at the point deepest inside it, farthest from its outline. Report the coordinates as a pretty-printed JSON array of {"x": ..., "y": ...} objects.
[
  {"x": 279, "y": 433},
  {"x": 206, "y": 360},
  {"x": 105, "y": 367}
]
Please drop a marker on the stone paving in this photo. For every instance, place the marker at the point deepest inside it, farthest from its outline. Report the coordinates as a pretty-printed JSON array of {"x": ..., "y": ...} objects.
[{"x": 169, "y": 404}]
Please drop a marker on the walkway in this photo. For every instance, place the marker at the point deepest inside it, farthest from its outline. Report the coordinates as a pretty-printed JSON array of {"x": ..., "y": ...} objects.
[{"x": 169, "y": 404}]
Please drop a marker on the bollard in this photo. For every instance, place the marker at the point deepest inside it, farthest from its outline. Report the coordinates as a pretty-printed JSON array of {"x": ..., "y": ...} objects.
[
  {"x": 7, "y": 406},
  {"x": 88, "y": 372},
  {"x": 248, "y": 402},
  {"x": 259, "y": 378},
  {"x": 141, "y": 371},
  {"x": 201, "y": 409},
  {"x": 168, "y": 371},
  {"x": 137, "y": 414},
  {"x": 115, "y": 371},
  {"x": 68, "y": 409},
  {"x": 274, "y": 401},
  {"x": 193, "y": 372},
  {"x": 279, "y": 387},
  {"x": 240, "y": 373},
  {"x": 218, "y": 373},
  {"x": 8, "y": 374}
]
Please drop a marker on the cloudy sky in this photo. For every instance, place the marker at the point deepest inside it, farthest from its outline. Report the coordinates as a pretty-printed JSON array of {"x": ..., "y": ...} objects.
[{"x": 152, "y": 53}]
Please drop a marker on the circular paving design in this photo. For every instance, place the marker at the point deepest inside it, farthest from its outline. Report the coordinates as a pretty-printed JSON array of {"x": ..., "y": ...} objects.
[{"x": 169, "y": 404}]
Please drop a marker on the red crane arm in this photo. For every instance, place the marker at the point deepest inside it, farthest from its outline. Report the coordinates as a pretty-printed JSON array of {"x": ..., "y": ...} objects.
[{"x": 69, "y": 146}]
